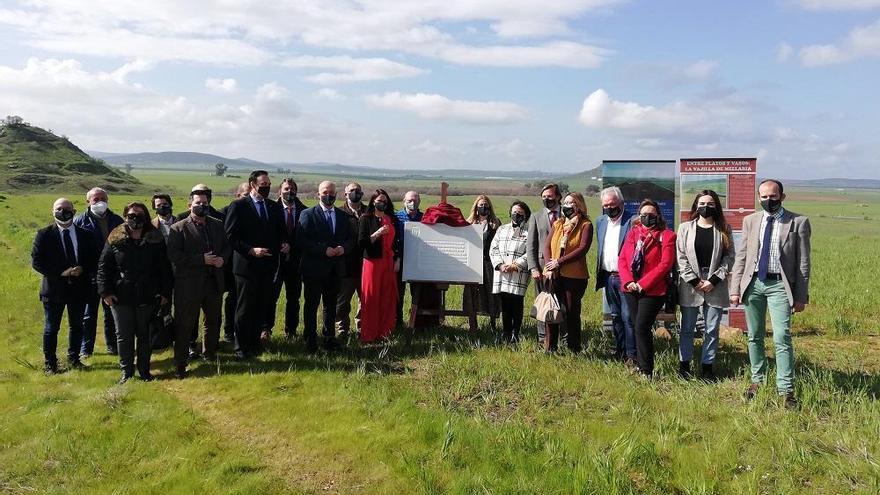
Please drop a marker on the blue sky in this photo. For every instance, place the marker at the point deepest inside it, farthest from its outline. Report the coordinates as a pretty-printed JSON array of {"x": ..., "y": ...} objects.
[{"x": 497, "y": 85}]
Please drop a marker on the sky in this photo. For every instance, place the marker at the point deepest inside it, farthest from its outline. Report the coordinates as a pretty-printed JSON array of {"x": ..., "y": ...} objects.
[{"x": 551, "y": 85}]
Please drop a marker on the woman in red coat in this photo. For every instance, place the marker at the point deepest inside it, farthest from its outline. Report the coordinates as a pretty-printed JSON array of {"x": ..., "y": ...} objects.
[
  {"x": 379, "y": 237},
  {"x": 644, "y": 265}
]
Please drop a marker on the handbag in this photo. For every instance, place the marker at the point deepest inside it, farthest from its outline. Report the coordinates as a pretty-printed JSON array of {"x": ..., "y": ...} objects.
[
  {"x": 547, "y": 308},
  {"x": 162, "y": 328}
]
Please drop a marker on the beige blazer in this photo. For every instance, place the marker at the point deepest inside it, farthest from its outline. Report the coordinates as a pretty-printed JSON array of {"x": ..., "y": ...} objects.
[
  {"x": 794, "y": 255},
  {"x": 688, "y": 267}
]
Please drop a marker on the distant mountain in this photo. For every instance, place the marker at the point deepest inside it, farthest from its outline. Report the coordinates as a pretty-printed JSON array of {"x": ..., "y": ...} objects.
[
  {"x": 34, "y": 159},
  {"x": 187, "y": 160},
  {"x": 836, "y": 183}
]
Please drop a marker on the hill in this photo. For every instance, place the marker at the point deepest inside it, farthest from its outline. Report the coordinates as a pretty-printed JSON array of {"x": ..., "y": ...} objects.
[{"x": 33, "y": 159}]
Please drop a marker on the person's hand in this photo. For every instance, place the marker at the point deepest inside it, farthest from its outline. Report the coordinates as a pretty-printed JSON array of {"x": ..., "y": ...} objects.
[
  {"x": 330, "y": 252},
  {"x": 799, "y": 306},
  {"x": 536, "y": 275},
  {"x": 285, "y": 248},
  {"x": 218, "y": 262},
  {"x": 638, "y": 287},
  {"x": 339, "y": 250},
  {"x": 164, "y": 300},
  {"x": 76, "y": 271},
  {"x": 209, "y": 259},
  {"x": 734, "y": 300},
  {"x": 67, "y": 272},
  {"x": 381, "y": 231},
  {"x": 110, "y": 300},
  {"x": 705, "y": 286},
  {"x": 259, "y": 252},
  {"x": 397, "y": 266},
  {"x": 551, "y": 265}
]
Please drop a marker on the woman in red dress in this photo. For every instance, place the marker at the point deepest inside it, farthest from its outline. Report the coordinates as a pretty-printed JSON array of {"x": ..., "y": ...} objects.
[{"x": 379, "y": 237}]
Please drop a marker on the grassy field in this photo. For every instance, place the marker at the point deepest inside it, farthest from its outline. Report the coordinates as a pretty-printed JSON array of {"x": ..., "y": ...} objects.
[{"x": 451, "y": 412}]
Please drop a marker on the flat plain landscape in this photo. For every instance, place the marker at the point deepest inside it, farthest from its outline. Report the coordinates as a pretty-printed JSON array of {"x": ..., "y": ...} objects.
[{"x": 447, "y": 410}]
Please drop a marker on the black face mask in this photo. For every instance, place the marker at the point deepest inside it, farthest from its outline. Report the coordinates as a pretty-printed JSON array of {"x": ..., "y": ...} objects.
[
  {"x": 355, "y": 196},
  {"x": 611, "y": 212},
  {"x": 771, "y": 205},
  {"x": 483, "y": 211},
  {"x": 264, "y": 191},
  {"x": 328, "y": 200},
  {"x": 648, "y": 220},
  {"x": 163, "y": 210},
  {"x": 135, "y": 222},
  {"x": 518, "y": 219},
  {"x": 380, "y": 205},
  {"x": 706, "y": 211},
  {"x": 289, "y": 197},
  {"x": 568, "y": 211},
  {"x": 549, "y": 203},
  {"x": 200, "y": 210},
  {"x": 64, "y": 216}
]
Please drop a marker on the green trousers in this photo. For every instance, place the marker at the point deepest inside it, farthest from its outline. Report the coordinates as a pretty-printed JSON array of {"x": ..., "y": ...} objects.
[{"x": 757, "y": 299}]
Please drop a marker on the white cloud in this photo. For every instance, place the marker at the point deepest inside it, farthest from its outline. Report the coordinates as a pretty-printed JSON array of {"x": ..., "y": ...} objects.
[
  {"x": 222, "y": 85},
  {"x": 329, "y": 94},
  {"x": 702, "y": 69},
  {"x": 438, "y": 107},
  {"x": 839, "y": 4},
  {"x": 600, "y": 111},
  {"x": 348, "y": 69},
  {"x": 557, "y": 53},
  {"x": 783, "y": 52},
  {"x": 861, "y": 42}
]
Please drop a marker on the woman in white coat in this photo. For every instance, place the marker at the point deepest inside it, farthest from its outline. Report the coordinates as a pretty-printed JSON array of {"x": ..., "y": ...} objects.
[{"x": 511, "y": 275}]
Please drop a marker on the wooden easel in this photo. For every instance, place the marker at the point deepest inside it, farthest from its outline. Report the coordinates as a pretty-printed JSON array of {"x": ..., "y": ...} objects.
[
  {"x": 442, "y": 311},
  {"x": 442, "y": 287}
]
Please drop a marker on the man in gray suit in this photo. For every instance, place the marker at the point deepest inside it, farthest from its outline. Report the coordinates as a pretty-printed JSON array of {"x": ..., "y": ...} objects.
[
  {"x": 198, "y": 249},
  {"x": 539, "y": 228},
  {"x": 772, "y": 271}
]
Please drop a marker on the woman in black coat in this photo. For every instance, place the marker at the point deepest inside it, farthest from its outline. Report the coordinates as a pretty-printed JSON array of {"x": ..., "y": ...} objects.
[{"x": 134, "y": 277}]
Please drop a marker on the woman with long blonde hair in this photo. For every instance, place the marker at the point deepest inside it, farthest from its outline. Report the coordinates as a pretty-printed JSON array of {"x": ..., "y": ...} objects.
[{"x": 483, "y": 213}]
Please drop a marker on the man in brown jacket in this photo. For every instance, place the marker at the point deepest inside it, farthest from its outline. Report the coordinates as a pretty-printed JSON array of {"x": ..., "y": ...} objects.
[
  {"x": 772, "y": 272},
  {"x": 198, "y": 249}
]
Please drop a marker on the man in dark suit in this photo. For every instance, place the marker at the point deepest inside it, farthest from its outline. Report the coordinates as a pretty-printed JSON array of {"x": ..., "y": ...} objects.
[
  {"x": 256, "y": 231},
  {"x": 212, "y": 212},
  {"x": 99, "y": 221},
  {"x": 198, "y": 250},
  {"x": 288, "y": 271},
  {"x": 354, "y": 261},
  {"x": 230, "y": 303},
  {"x": 67, "y": 258},
  {"x": 611, "y": 230},
  {"x": 324, "y": 234}
]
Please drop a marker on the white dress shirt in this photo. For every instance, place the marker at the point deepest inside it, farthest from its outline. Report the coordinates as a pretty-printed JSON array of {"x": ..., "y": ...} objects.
[{"x": 611, "y": 245}]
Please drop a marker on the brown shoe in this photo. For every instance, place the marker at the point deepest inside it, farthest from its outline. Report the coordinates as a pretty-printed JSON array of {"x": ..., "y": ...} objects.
[
  {"x": 752, "y": 391},
  {"x": 791, "y": 401}
]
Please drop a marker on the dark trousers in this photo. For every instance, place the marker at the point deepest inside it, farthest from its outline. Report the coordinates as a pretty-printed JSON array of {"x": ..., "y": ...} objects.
[
  {"x": 90, "y": 326},
  {"x": 288, "y": 276},
  {"x": 133, "y": 337},
  {"x": 621, "y": 321},
  {"x": 229, "y": 306},
  {"x": 511, "y": 316},
  {"x": 255, "y": 296},
  {"x": 53, "y": 312},
  {"x": 570, "y": 292},
  {"x": 643, "y": 311},
  {"x": 187, "y": 306},
  {"x": 320, "y": 291},
  {"x": 401, "y": 293},
  {"x": 348, "y": 287}
]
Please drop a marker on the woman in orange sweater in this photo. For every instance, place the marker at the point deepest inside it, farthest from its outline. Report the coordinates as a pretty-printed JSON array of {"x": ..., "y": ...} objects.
[{"x": 566, "y": 269}]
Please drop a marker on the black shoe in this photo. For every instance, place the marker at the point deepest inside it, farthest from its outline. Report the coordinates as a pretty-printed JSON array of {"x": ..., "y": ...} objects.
[
  {"x": 85, "y": 355},
  {"x": 112, "y": 351},
  {"x": 50, "y": 369},
  {"x": 147, "y": 378},
  {"x": 708, "y": 374},
  {"x": 751, "y": 392},
  {"x": 241, "y": 356},
  {"x": 791, "y": 402},
  {"x": 180, "y": 372},
  {"x": 75, "y": 364},
  {"x": 125, "y": 378},
  {"x": 684, "y": 370},
  {"x": 194, "y": 355}
]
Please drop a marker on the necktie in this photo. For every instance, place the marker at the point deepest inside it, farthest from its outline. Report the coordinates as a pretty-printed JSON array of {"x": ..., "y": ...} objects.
[
  {"x": 290, "y": 223},
  {"x": 68, "y": 248},
  {"x": 552, "y": 217},
  {"x": 262, "y": 210},
  {"x": 764, "y": 260},
  {"x": 330, "y": 221},
  {"x": 203, "y": 231}
]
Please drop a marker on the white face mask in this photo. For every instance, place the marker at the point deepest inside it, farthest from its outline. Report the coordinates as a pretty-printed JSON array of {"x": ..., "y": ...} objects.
[
  {"x": 99, "y": 208},
  {"x": 411, "y": 206}
]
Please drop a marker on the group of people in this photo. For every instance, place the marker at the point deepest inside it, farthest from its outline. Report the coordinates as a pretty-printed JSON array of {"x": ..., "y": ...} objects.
[{"x": 131, "y": 266}]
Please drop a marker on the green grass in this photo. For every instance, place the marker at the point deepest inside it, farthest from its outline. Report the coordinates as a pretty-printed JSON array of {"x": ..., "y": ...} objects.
[{"x": 448, "y": 411}]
